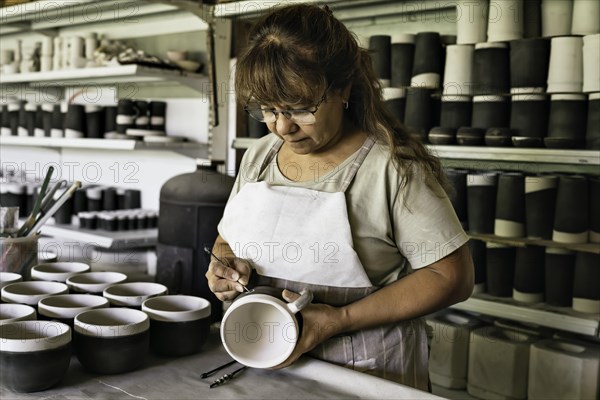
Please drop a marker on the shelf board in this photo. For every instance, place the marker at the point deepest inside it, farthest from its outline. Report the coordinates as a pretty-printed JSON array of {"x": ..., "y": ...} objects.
[
  {"x": 561, "y": 318},
  {"x": 522, "y": 242},
  {"x": 200, "y": 149},
  {"x": 484, "y": 153},
  {"x": 552, "y": 156},
  {"x": 104, "y": 76},
  {"x": 102, "y": 238},
  {"x": 343, "y": 9}
]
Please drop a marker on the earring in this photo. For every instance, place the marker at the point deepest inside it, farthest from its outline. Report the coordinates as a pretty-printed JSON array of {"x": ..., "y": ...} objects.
[{"x": 345, "y": 105}]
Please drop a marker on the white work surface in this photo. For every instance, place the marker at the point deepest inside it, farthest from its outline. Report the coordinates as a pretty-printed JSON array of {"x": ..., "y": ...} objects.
[{"x": 179, "y": 378}]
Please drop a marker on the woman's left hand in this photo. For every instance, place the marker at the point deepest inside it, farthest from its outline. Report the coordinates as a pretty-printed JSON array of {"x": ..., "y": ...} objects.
[{"x": 319, "y": 323}]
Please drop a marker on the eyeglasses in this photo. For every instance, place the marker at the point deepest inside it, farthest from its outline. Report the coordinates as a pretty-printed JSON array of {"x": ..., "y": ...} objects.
[{"x": 299, "y": 116}]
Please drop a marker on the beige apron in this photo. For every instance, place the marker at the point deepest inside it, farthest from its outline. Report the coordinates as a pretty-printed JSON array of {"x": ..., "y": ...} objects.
[{"x": 301, "y": 238}]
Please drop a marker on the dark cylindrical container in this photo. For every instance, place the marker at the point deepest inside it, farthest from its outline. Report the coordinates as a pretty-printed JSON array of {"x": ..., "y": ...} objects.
[
  {"x": 458, "y": 180},
  {"x": 510, "y": 205},
  {"x": 189, "y": 215},
  {"x": 594, "y": 209},
  {"x": 109, "y": 199},
  {"x": 380, "y": 51},
  {"x": 14, "y": 110},
  {"x": 419, "y": 113},
  {"x": 481, "y": 202},
  {"x": 122, "y": 224},
  {"x": 58, "y": 121},
  {"x": 94, "y": 196},
  {"x": 65, "y": 212},
  {"x": 586, "y": 290},
  {"x": 500, "y": 262},
  {"x": 567, "y": 122},
  {"x": 532, "y": 26},
  {"x": 14, "y": 195},
  {"x": 529, "y": 274},
  {"x": 540, "y": 206},
  {"x": 529, "y": 61},
  {"x": 95, "y": 121},
  {"x": 560, "y": 267},
  {"x": 132, "y": 222},
  {"x": 133, "y": 199},
  {"x": 48, "y": 109},
  {"x": 490, "y": 111},
  {"x": 27, "y": 119},
  {"x": 529, "y": 116},
  {"x": 592, "y": 136},
  {"x": 572, "y": 213},
  {"x": 142, "y": 114},
  {"x": 256, "y": 129},
  {"x": 395, "y": 101},
  {"x": 75, "y": 123},
  {"x": 38, "y": 129},
  {"x": 158, "y": 115},
  {"x": 403, "y": 53},
  {"x": 5, "y": 121},
  {"x": 455, "y": 111},
  {"x": 125, "y": 115},
  {"x": 80, "y": 201},
  {"x": 141, "y": 222},
  {"x": 491, "y": 69},
  {"x": 110, "y": 120},
  {"x": 428, "y": 62},
  {"x": 120, "y": 198},
  {"x": 478, "y": 254}
]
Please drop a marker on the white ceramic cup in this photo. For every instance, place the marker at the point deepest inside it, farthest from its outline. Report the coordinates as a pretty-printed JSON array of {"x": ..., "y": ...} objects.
[
  {"x": 57, "y": 271},
  {"x": 471, "y": 21},
  {"x": 458, "y": 70},
  {"x": 31, "y": 293},
  {"x": 133, "y": 294},
  {"x": 260, "y": 330},
  {"x": 556, "y": 17},
  {"x": 94, "y": 282}
]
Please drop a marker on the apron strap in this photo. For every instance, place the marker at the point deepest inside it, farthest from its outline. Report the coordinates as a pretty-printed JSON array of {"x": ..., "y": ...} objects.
[
  {"x": 364, "y": 151},
  {"x": 270, "y": 156},
  {"x": 362, "y": 154}
]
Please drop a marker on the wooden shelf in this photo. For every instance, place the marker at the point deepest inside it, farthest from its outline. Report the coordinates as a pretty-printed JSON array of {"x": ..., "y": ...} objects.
[
  {"x": 561, "y": 318},
  {"x": 522, "y": 242},
  {"x": 104, "y": 76},
  {"x": 102, "y": 238}
]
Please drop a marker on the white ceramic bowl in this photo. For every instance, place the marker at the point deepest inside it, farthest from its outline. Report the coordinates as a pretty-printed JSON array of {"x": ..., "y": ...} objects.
[
  {"x": 32, "y": 292},
  {"x": 57, "y": 271},
  {"x": 67, "y": 306},
  {"x": 10, "y": 312},
  {"x": 133, "y": 294},
  {"x": 8, "y": 278},
  {"x": 188, "y": 65},
  {"x": 94, "y": 282}
]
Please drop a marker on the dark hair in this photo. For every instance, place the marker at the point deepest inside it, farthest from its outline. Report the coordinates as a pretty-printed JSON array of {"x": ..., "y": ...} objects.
[{"x": 298, "y": 51}]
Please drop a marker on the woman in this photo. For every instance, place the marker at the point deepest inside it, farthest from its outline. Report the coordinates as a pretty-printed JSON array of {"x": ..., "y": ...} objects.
[{"x": 338, "y": 199}]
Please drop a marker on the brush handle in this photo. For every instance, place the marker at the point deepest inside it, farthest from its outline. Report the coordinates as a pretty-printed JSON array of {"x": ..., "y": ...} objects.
[{"x": 61, "y": 200}]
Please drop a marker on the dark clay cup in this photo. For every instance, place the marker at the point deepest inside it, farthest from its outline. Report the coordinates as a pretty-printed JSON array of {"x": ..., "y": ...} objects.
[
  {"x": 57, "y": 271},
  {"x": 31, "y": 292},
  {"x": 133, "y": 294},
  {"x": 34, "y": 355},
  {"x": 65, "y": 307},
  {"x": 111, "y": 340},
  {"x": 179, "y": 325},
  {"x": 94, "y": 282}
]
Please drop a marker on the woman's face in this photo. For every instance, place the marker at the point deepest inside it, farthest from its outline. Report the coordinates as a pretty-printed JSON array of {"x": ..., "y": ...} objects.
[{"x": 317, "y": 137}]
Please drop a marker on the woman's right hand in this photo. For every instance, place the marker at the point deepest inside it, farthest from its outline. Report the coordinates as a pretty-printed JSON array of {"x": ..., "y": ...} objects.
[{"x": 225, "y": 279}]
